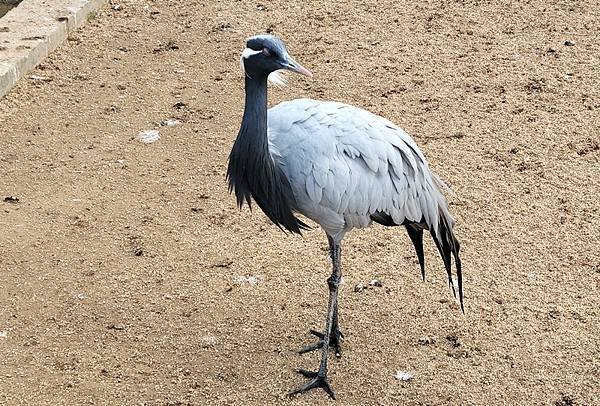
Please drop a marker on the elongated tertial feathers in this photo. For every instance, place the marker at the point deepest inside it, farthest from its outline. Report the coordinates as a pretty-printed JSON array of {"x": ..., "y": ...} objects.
[
  {"x": 449, "y": 247},
  {"x": 416, "y": 236},
  {"x": 444, "y": 239}
]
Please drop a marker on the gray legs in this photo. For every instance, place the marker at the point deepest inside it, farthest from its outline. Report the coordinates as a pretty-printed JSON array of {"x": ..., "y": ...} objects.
[
  {"x": 336, "y": 335},
  {"x": 336, "y": 258},
  {"x": 332, "y": 334}
]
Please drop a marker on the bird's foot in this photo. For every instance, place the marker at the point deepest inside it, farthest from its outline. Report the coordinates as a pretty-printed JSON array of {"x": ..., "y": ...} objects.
[
  {"x": 317, "y": 380},
  {"x": 334, "y": 342}
]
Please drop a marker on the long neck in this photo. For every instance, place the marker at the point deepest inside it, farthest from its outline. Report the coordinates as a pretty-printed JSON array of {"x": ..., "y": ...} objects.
[
  {"x": 249, "y": 160},
  {"x": 254, "y": 122}
]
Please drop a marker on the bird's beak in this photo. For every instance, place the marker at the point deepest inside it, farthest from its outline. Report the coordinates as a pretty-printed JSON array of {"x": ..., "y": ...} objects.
[{"x": 291, "y": 64}]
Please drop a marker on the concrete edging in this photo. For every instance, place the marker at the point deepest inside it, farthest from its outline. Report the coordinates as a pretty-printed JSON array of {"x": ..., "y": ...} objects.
[{"x": 29, "y": 32}]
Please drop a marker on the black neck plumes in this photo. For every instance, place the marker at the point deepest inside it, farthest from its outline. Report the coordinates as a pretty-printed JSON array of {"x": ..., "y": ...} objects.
[{"x": 252, "y": 172}]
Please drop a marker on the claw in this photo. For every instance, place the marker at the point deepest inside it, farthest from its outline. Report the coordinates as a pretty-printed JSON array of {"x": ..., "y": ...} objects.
[
  {"x": 317, "y": 381},
  {"x": 338, "y": 350}
]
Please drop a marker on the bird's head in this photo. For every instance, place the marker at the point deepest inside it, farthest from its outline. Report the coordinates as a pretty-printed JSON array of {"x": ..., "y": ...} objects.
[{"x": 266, "y": 56}]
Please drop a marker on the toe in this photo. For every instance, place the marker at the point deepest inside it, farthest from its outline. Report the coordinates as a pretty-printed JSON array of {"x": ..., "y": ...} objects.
[
  {"x": 317, "y": 333},
  {"x": 306, "y": 373},
  {"x": 318, "y": 381},
  {"x": 311, "y": 347}
]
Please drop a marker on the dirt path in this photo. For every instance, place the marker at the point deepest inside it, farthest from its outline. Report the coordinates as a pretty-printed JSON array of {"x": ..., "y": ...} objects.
[{"x": 120, "y": 263}]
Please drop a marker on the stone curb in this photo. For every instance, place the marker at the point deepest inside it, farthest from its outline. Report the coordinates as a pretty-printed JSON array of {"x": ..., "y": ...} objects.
[{"x": 29, "y": 32}]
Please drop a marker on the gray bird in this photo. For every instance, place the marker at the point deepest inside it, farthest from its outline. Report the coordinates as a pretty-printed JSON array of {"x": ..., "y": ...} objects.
[{"x": 338, "y": 165}]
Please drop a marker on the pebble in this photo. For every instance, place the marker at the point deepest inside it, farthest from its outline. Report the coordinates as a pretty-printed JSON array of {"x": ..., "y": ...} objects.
[
  {"x": 425, "y": 340},
  {"x": 403, "y": 376},
  {"x": 376, "y": 283},
  {"x": 569, "y": 43},
  {"x": 39, "y": 78},
  {"x": 221, "y": 262},
  {"x": 249, "y": 280},
  {"x": 170, "y": 122},
  {"x": 208, "y": 341},
  {"x": 148, "y": 136},
  {"x": 359, "y": 287}
]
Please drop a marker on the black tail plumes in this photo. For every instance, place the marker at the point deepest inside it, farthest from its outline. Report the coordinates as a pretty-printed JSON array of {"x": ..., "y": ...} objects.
[
  {"x": 448, "y": 246},
  {"x": 415, "y": 232},
  {"x": 446, "y": 242}
]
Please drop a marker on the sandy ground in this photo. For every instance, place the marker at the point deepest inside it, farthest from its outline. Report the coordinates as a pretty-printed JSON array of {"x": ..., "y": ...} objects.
[
  {"x": 122, "y": 264},
  {"x": 4, "y": 8}
]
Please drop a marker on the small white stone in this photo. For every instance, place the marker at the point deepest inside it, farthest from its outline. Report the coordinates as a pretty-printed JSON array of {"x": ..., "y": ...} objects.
[
  {"x": 375, "y": 282},
  {"x": 81, "y": 296},
  {"x": 208, "y": 341},
  {"x": 3, "y": 334},
  {"x": 426, "y": 340},
  {"x": 404, "y": 376},
  {"x": 170, "y": 122},
  {"x": 149, "y": 136},
  {"x": 251, "y": 280}
]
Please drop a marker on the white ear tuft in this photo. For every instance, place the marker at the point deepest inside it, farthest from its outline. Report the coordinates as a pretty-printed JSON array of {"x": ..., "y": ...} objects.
[
  {"x": 278, "y": 78},
  {"x": 247, "y": 53}
]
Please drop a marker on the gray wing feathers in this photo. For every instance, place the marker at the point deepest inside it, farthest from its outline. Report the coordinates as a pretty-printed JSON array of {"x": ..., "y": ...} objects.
[{"x": 353, "y": 163}]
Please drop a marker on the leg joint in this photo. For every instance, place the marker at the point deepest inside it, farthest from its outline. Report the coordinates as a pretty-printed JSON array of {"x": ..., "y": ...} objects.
[{"x": 333, "y": 281}]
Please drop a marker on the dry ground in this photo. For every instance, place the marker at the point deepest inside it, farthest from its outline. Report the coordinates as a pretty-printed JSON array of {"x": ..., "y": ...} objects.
[{"x": 119, "y": 261}]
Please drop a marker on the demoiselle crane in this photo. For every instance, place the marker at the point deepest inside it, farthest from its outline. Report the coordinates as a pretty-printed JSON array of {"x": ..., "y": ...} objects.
[{"x": 337, "y": 165}]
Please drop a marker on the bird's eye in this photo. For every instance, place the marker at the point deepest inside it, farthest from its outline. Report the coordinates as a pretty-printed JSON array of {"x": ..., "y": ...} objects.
[{"x": 266, "y": 52}]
